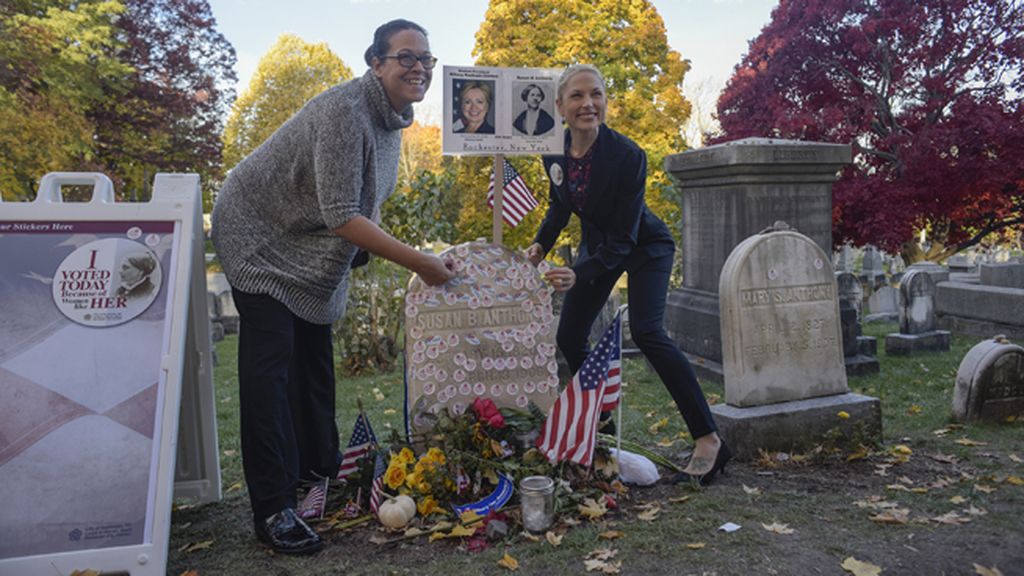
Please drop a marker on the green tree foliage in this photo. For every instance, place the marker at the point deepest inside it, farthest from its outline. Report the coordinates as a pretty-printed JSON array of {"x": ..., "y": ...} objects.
[
  {"x": 57, "y": 61},
  {"x": 628, "y": 43},
  {"x": 169, "y": 117},
  {"x": 287, "y": 76}
]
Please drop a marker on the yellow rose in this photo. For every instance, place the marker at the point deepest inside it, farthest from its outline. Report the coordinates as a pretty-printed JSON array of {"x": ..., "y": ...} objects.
[
  {"x": 427, "y": 506},
  {"x": 406, "y": 456},
  {"x": 412, "y": 479},
  {"x": 435, "y": 455},
  {"x": 395, "y": 476}
]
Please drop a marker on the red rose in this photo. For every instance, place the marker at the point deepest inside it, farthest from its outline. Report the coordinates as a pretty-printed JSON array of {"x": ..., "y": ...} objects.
[{"x": 488, "y": 413}]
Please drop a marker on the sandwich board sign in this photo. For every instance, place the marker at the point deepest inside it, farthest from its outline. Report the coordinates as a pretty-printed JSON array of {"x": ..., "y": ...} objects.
[{"x": 97, "y": 331}]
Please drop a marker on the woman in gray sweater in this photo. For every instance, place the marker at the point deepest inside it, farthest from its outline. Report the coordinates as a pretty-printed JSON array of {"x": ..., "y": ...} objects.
[{"x": 287, "y": 224}]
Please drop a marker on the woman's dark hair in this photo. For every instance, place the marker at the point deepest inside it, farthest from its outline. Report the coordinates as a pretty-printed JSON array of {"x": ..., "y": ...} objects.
[
  {"x": 382, "y": 38},
  {"x": 526, "y": 92}
]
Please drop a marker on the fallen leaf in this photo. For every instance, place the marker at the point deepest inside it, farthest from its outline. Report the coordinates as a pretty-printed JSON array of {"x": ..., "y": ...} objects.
[
  {"x": 894, "y": 516},
  {"x": 413, "y": 531},
  {"x": 976, "y": 511},
  {"x": 859, "y": 454},
  {"x": 983, "y": 571},
  {"x": 650, "y": 515},
  {"x": 389, "y": 410},
  {"x": 233, "y": 487},
  {"x": 942, "y": 431},
  {"x": 985, "y": 488},
  {"x": 944, "y": 458},
  {"x": 969, "y": 442},
  {"x": 897, "y": 488},
  {"x": 1015, "y": 480},
  {"x": 919, "y": 490},
  {"x": 778, "y": 528},
  {"x": 1016, "y": 459},
  {"x": 602, "y": 554},
  {"x": 843, "y": 414},
  {"x": 951, "y": 518},
  {"x": 678, "y": 500},
  {"x": 611, "y": 534},
  {"x": 958, "y": 499},
  {"x": 696, "y": 545},
  {"x": 858, "y": 568},
  {"x": 553, "y": 539},
  {"x": 230, "y": 453},
  {"x": 509, "y": 562},
  {"x": 657, "y": 426},
  {"x": 592, "y": 509},
  {"x": 469, "y": 517},
  {"x": 461, "y": 530},
  {"x": 914, "y": 409},
  {"x": 751, "y": 491},
  {"x": 382, "y": 539},
  {"x": 531, "y": 537},
  {"x": 205, "y": 544},
  {"x": 902, "y": 449},
  {"x": 603, "y": 567},
  {"x": 666, "y": 442}
]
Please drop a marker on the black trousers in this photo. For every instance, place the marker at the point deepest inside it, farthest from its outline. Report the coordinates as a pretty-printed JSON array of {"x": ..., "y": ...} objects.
[
  {"x": 648, "y": 290},
  {"x": 286, "y": 396}
]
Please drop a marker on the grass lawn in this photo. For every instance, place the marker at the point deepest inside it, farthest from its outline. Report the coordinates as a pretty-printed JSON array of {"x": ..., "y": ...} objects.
[{"x": 930, "y": 499}]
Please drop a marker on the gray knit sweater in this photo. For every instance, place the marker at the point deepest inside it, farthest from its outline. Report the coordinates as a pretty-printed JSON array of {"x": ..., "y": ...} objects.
[{"x": 335, "y": 159}]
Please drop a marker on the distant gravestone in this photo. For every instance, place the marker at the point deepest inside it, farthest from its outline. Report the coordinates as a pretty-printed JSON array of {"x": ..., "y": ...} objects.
[
  {"x": 917, "y": 317},
  {"x": 872, "y": 267},
  {"x": 858, "y": 350},
  {"x": 228, "y": 312},
  {"x": 780, "y": 321},
  {"x": 959, "y": 263},
  {"x": 487, "y": 333},
  {"x": 844, "y": 259},
  {"x": 1002, "y": 274},
  {"x": 783, "y": 361},
  {"x": 883, "y": 304},
  {"x": 990, "y": 382}
]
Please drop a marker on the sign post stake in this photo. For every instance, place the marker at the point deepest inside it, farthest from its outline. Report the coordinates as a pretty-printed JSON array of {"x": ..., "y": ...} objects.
[{"x": 499, "y": 186}]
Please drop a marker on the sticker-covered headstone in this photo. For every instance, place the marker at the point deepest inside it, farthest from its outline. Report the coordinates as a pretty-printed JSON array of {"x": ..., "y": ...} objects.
[{"x": 486, "y": 333}]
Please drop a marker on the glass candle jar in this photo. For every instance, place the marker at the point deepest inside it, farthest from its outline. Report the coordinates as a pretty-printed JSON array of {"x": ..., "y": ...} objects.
[{"x": 537, "y": 496}]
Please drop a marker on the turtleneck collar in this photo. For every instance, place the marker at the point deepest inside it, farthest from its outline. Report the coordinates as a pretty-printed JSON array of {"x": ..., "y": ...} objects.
[{"x": 381, "y": 106}]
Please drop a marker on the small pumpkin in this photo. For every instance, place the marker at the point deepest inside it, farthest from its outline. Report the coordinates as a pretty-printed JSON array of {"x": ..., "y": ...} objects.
[{"x": 397, "y": 512}]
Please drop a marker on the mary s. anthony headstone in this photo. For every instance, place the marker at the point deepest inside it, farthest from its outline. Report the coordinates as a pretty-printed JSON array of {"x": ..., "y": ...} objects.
[
  {"x": 990, "y": 382},
  {"x": 917, "y": 317},
  {"x": 486, "y": 333},
  {"x": 785, "y": 380}
]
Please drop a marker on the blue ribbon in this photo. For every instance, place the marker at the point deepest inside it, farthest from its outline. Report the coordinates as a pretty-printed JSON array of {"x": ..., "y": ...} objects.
[{"x": 494, "y": 501}]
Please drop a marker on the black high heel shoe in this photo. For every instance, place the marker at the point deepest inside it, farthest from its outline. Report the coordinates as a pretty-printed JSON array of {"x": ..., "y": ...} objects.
[{"x": 721, "y": 459}]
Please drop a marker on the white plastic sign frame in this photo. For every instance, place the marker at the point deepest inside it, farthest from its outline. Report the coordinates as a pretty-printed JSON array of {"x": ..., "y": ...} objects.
[{"x": 123, "y": 340}]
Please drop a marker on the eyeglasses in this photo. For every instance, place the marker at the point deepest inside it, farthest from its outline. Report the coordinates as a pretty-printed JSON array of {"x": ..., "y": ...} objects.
[{"x": 407, "y": 60}]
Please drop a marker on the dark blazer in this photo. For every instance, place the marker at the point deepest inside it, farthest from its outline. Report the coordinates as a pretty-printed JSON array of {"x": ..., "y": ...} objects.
[
  {"x": 618, "y": 229},
  {"x": 484, "y": 128},
  {"x": 544, "y": 122}
]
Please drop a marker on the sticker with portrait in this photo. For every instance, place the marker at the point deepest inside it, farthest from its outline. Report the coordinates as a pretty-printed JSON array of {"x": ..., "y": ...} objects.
[{"x": 507, "y": 111}]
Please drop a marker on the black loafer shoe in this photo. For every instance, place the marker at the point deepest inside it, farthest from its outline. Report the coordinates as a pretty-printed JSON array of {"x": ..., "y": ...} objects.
[{"x": 286, "y": 533}]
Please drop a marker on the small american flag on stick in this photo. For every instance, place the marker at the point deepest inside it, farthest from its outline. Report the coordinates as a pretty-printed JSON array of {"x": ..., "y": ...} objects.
[
  {"x": 570, "y": 430},
  {"x": 360, "y": 444},
  {"x": 516, "y": 199}
]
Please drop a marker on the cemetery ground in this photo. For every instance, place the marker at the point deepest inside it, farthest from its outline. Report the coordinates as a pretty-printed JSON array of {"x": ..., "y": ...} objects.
[{"x": 934, "y": 497}]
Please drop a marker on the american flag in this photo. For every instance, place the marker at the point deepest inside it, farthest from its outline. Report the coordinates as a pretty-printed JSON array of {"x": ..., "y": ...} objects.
[
  {"x": 315, "y": 502},
  {"x": 377, "y": 490},
  {"x": 570, "y": 430},
  {"x": 516, "y": 199},
  {"x": 361, "y": 443}
]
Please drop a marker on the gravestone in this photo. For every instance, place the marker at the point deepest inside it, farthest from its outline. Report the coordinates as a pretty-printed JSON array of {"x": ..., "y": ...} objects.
[
  {"x": 990, "y": 382},
  {"x": 785, "y": 379},
  {"x": 488, "y": 333},
  {"x": 938, "y": 272},
  {"x": 228, "y": 312},
  {"x": 959, "y": 263},
  {"x": 917, "y": 317},
  {"x": 844, "y": 259},
  {"x": 1002, "y": 274},
  {"x": 858, "y": 350},
  {"x": 729, "y": 192},
  {"x": 883, "y": 305},
  {"x": 872, "y": 267}
]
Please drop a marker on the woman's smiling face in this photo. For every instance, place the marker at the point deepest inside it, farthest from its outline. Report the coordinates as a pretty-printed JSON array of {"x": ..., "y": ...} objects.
[
  {"x": 474, "y": 106},
  {"x": 582, "y": 101}
]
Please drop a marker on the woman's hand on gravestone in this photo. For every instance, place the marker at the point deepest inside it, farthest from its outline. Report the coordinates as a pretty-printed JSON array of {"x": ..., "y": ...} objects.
[
  {"x": 561, "y": 278},
  {"x": 434, "y": 271}
]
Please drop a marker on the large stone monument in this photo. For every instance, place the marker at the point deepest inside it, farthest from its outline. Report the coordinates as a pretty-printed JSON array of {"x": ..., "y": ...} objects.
[
  {"x": 917, "y": 317},
  {"x": 990, "y": 382},
  {"x": 729, "y": 192},
  {"x": 993, "y": 305},
  {"x": 785, "y": 380},
  {"x": 486, "y": 333}
]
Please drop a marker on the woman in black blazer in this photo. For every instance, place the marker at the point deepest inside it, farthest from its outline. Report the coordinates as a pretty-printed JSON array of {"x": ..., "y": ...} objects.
[{"x": 601, "y": 178}]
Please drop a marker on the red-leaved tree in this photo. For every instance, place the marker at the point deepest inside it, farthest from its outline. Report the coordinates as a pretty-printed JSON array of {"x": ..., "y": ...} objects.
[{"x": 931, "y": 95}]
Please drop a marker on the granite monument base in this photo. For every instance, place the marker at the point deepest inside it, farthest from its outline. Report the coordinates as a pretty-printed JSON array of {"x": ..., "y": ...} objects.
[
  {"x": 897, "y": 344},
  {"x": 798, "y": 425},
  {"x": 861, "y": 365}
]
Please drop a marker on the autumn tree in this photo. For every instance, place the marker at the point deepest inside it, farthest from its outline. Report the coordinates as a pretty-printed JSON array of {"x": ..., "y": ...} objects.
[
  {"x": 627, "y": 42},
  {"x": 169, "y": 117},
  {"x": 56, "y": 62},
  {"x": 930, "y": 94},
  {"x": 287, "y": 76}
]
